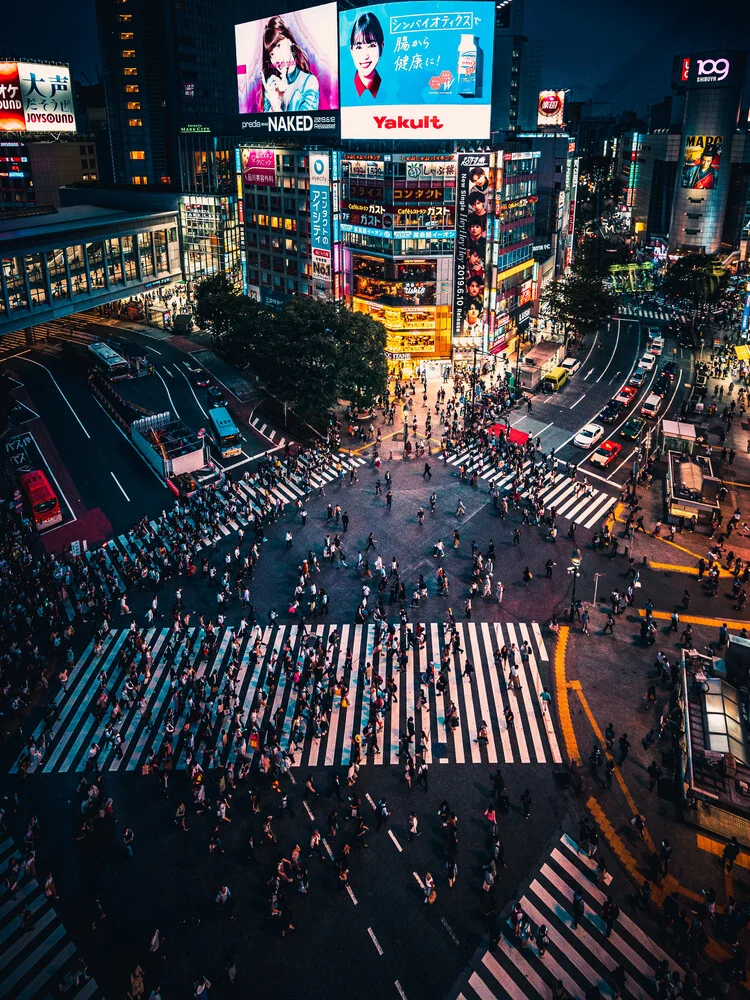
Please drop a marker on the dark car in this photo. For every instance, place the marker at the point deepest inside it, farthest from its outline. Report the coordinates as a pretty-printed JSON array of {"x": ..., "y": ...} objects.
[
  {"x": 686, "y": 338},
  {"x": 199, "y": 376},
  {"x": 661, "y": 385},
  {"x": 216, "y": 396},
  {"x": 611, "y": 412},
  {"x": 671, "y": 368}
]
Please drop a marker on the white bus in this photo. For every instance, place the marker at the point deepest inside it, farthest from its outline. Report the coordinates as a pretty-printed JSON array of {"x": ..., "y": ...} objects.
[
  {"x": 225, "y": 435},
  {"x": 111, "y": 364}
]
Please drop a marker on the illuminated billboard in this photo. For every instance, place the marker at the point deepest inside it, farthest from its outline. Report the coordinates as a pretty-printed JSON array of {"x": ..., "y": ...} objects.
[
  {"x": 474, "y": 198},
  {"x": 701, "y": 162},
  {"x": 259, "y": 166},
  {"x": 35, "y": 97},
  {"x": 287, "y": 74},
  {"x": 418, "y": 70},
  {"x": 320, "y": 215},
  {"x": 551, "y": 108}
]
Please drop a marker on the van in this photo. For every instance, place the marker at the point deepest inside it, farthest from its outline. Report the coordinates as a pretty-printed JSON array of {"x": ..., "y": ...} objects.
[
  {"x": 555, "y": 379},
  {"x": 657, "y": 346},
  {"x": 651, "y": 407}
]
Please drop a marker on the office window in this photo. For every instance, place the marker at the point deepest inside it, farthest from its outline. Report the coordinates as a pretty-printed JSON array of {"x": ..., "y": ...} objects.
[
  {"x": 124, "y": 18},
  {"x": 127, "y": 36},
  {"x": 132, "y": 88},
  {"x": 139, "y": 180},
  {"x": 135, "y": 122},
  {"x": 128, "y": 53},
  {"x": 137, "y": 154},
  {"x": 134, "y": 105},
  {"x": 130, "y": 71}
]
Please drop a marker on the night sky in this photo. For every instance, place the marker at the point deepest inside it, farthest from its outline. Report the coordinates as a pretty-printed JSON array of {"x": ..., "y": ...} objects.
[{"x": 619, "y": 54}]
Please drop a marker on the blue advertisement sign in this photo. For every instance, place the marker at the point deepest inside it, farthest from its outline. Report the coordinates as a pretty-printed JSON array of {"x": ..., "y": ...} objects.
[
  {"x": 418, "y": 70},
  {"x": 320, "y": 215}
]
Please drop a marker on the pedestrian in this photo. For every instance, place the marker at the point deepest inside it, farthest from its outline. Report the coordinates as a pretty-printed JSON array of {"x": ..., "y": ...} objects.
[
  {"x": 730, "y": 855},
  {"x": 578, "y": 908},
  {"x": 624, "y": 747},
  {"x": 430, "y": 893},
  {"x": 413, "y": 827},
  {"x": 610, "y": 913},
  {"x": 527, "y": 576},
  {"x": 526, "y": 803}
]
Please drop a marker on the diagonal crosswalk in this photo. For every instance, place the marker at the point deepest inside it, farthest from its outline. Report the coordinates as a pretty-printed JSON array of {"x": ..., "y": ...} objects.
[
  {"x": 573, "y": 499},
  {"x": 37, "y": 958},
  {"x": 292, "y": 487},
  {"x": 580, "y": 956},
  {"x": 519, "y": 727},
  {"x": 656, "y": 313}
]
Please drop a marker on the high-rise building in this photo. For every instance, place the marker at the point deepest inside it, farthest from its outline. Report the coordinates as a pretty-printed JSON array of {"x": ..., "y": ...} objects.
[
  {"x": 517, "y": 71},
  {"x": 167, "y": 66}
]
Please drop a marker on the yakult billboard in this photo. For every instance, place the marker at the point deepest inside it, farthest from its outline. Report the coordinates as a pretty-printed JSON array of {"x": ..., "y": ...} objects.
[
  {"x": 35, "y": 97},
  {"x": 418, "y": 70}
]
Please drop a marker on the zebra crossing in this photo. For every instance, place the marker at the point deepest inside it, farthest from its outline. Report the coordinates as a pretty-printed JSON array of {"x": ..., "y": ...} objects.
[
  {"x": 655, "y": 313},
  {"x": 37, "y": 958},
  {"x": 583, "y": 503},
  {"x": 289, "y": 490},
  {"x": 581, "y": 957},
  {"x": 526, "y": 735}
]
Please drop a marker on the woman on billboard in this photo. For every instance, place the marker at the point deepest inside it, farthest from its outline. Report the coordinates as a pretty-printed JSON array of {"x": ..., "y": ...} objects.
[
  {"x": 366, "y": 44},
  {"x": 288, "y": 82}
]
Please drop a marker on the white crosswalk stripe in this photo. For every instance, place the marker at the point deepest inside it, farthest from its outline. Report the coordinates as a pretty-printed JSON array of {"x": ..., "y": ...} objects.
[
  {"x": 573, "y": 499},
  {"x": 656, "y": 313},
  {"x": 580, "y": 956},
  {"x": 289, "y": 490},
  {"x": 36, "y": 958},
  {"x": 64, "y": 741}
]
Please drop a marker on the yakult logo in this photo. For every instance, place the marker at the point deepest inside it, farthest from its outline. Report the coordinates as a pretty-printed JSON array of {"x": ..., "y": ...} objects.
[{"x": 712, "y": 70}]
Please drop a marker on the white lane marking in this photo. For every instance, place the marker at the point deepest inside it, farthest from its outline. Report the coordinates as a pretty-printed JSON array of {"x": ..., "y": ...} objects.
[
  {"x": 419, "y": 880},
  {"x": 573, "y": 405},
  {"x": 450, "y": 930},
  {"x": 67, "y": 401},
  {"x": 612, "y": 355},
  {"x": 400, "y": 989},
  {"x": 169, "y": 394},
  {"x": 589, "y": 374},
  {"x": 392, "y": 835},
  {"x": 369, "y": 799},
  {"x": 308, "y": 810},
  {"x": 190, "y": 388},
  {"x": 351, "y": 895},
  {"x": 614, "y": 377},
  {"x": 168, "y": 372},
  {"x": 150, "y": 349},
  {"x": 18, "y": 354},
  {"x": 120, "y": 485},
  {"x": 374, "y": 940}
]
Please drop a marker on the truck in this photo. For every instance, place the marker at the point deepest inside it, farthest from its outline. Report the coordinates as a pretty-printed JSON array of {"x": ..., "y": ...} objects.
[{"x": 178, "y": 454}]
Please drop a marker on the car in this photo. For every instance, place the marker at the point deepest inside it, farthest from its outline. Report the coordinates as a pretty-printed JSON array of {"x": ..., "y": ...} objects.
[
  {"x": 588, "y": 436},
  {"x": 611, "y": 412},
  {"x": 685, "y": 338},
  {"x": 632, "y": 428},
  {"x": 216, "y": 396},
  {"x": 653, "y": 331},
  {"x": 647, "y": 361},
  {"x": 199, "y": 376},
  {"x": 606, "y": 452},
  {"x": 657, "y": 346},
  {"x": 626, "y": 395},
  {"x": 638, "y": 377},
  {"x": 671, "y": 368},
  {"x": 571, "y": 365},
  {"x": 661, "y": 385}
]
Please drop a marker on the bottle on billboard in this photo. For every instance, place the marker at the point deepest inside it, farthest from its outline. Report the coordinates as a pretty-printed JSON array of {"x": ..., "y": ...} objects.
[{"x": 467, "y": 66}]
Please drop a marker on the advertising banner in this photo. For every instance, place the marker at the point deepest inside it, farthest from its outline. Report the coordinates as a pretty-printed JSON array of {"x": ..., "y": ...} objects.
[
  {"x": 320, "y": 215},
  {"x": 287, "y": 74},
  {"x": 701, "y": 162},
  {"x": 35, "y": 97},
  {"x": 419, "y": 70},
  {"x": 474, "y": 198},
  {"x": 551, "y": 108},
  {"x": 259, "y": 167}
]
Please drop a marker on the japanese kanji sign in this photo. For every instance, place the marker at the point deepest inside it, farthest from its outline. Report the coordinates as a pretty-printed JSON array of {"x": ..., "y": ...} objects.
[{"x": 36, "y": 97}]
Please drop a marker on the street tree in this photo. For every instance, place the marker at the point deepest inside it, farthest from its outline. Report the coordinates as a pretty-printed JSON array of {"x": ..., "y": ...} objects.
[
  {"x": 696, "y": 277},
  {"x": 579, "y": 302}
]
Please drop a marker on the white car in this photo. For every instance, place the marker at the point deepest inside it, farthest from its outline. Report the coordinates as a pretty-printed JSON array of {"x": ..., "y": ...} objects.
[
  {"x": 638, "y": 377},
  {"x": 647, "y": 361},
  {"x": 571, "y": 366},
  {"x": 657, "y": 345},
  {"x": 588, "y": 436}
]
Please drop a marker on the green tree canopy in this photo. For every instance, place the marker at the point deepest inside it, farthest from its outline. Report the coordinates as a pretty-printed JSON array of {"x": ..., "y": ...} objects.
[
  {"x": 580, "y": 302},
  {"x": 697, "y": 277}
]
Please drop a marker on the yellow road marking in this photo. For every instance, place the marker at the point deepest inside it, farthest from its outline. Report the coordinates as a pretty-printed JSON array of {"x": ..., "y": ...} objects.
[
  {"x": 696, "y": 620},
  {"x": 634, "y": 810},
  {"x": 563, "y": 704},
  {"x": 716, "y": 847},
  {"x": 673, "y": 568}
]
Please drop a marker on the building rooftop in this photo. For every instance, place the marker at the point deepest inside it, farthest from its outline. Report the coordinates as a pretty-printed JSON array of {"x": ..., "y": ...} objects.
[{"x": 66, "y": 220}]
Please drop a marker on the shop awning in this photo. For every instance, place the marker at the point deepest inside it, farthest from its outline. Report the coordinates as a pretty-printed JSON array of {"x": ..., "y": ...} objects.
[{"x": 743, "y": 352}]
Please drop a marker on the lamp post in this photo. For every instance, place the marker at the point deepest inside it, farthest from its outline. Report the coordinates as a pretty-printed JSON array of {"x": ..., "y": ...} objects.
[{"x": 575, "y": 570}]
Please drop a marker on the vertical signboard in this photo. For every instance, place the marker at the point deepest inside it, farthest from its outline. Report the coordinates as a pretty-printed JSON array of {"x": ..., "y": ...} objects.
[
  {"x": 259, "y": 167},
  {"x": 550, "y": 108},
  {"x": 473, "y": 210},
  {"x": 320, "y": 216},
  {"x": 572, "y": 213}
]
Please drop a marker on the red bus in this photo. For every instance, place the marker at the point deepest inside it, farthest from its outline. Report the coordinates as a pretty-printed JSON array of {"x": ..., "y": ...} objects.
[{"x": 45, "y": 507}]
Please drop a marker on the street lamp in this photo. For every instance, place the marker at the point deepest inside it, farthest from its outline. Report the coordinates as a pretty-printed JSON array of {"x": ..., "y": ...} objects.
[{"x": 575, "y": 559}]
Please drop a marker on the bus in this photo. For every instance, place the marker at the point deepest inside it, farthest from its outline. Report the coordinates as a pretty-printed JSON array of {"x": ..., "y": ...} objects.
[
  {"x": 45, "y": 507},
  {"x": 225, "y": 434},
  {"x": 111, "y": 364},
  {"x": 136, "y": 358}
]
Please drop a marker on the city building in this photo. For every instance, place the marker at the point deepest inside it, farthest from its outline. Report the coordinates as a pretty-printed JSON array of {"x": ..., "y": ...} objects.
[
  {"x": 557, "y": 168},
  {"x": 517, "y": 71}
]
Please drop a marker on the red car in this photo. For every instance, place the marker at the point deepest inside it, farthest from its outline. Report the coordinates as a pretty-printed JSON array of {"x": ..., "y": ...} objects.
[
  {"x": 626, "y": 395},
  {"x": 606, "y": 453}
]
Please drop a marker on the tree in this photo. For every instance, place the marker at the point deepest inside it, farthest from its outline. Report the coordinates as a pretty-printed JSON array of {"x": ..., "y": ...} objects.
[
  {"x": 696, "y": 277},
  {"x": 364, "y": 371},
  {"x": 580, "y": 302},
  {"x": 218, "y": 305}
]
